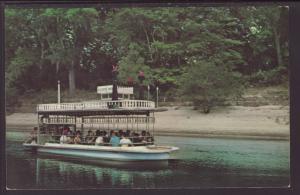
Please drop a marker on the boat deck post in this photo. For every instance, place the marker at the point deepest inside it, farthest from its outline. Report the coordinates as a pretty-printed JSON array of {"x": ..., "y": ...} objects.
[
  {"x": 126, "y": 122},
  {"x": 81, "y": 125},
  {"x": 38, "y": 134},
  {"x": 137, "y": 124},
  {"x": 153, "y": 124},
  {"x": 75, "y": 123}
]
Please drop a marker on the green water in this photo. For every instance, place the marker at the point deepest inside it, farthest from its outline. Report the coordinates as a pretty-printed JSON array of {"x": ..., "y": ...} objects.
[{"x": 200, "y": 163}]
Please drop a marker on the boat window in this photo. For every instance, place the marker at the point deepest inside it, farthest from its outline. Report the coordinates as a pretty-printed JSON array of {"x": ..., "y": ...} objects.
[{"x": 105, "y": 96}]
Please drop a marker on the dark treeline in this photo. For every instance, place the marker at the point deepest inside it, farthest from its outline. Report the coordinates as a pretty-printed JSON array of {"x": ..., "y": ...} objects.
[{"x": 202, "y": 53}]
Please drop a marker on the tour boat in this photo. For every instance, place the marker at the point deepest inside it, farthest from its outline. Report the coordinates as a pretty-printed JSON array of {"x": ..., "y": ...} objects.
[{"x": 104, "y": 114}]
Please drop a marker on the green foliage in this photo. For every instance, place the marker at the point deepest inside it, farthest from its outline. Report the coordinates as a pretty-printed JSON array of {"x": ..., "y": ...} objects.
[
  {"x": 266, "y": 37},
  {"x": 81, "y": 44},
  {"x": 131, "y": 64},
  {"x": 167, "y": 75},
  {"x": 19, "y": 69},
  {"x": 269, "y": 77},
  {"x": 11, "y": 99},
  {"x": 207, "y": 84}
]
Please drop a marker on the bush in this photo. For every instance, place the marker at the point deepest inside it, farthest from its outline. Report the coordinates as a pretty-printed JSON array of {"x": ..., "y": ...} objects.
[
  {"x": 269, "y": 77},
  {"x": 207, "y": 84},
  {"x": 11, "y": 99}
]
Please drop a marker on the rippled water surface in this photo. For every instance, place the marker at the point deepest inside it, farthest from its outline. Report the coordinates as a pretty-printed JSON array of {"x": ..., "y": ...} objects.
[{"x": 201, "y": 162}]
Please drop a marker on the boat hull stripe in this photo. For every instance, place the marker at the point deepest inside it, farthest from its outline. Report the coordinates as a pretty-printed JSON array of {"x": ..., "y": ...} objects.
[{"x": 114, "y": 155}]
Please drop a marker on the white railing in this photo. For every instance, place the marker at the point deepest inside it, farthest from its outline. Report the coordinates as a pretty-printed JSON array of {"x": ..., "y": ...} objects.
[{"x": 97, "y": 105}]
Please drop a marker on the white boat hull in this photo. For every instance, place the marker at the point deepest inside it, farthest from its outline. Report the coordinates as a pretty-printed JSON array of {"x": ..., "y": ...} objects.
[
  {"x": 29, "y": 146},
  {"x": 136, "y": 153}
]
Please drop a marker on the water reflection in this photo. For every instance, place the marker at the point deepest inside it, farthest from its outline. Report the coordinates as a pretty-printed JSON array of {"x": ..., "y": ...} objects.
[{"x": 94, "y": 173}]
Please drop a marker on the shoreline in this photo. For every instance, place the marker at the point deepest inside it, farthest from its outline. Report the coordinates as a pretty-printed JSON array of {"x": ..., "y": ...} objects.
[
  {"x": 196, "y": 135},
  {"x": 237, "y": 122},
  {"x": 186, "y": 134}
]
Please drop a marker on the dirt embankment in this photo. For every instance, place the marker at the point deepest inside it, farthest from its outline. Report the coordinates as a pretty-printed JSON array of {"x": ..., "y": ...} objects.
[
  {"x": 235, "y": 121},
  {"x": 260, "y": 113},
  {"x": 267, "y": 122}
]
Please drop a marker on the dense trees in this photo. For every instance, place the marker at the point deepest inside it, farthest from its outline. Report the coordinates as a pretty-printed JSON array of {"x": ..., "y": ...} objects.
[{"x": 179, "y": 46}]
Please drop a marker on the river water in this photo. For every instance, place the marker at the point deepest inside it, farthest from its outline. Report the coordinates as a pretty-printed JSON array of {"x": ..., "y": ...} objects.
[{"x": 200, "y": 163}]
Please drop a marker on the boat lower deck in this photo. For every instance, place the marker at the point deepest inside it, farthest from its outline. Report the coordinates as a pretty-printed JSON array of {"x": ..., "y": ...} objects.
[{"x": 133, "y": 153}]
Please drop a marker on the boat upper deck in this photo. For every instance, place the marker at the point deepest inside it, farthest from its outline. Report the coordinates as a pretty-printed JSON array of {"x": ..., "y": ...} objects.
[{"x": 99, "y": 107}]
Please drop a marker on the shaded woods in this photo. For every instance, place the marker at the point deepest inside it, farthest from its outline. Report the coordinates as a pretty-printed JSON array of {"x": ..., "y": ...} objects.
[{"x": 201, "y": 54}]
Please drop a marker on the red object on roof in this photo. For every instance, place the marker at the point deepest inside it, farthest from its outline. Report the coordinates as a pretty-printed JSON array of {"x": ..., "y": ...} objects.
[
  {"x": 115, "y": 67},
  {"x": 141, "y": 74}
]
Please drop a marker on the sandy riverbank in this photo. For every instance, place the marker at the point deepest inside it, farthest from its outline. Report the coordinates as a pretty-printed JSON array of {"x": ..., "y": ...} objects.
[{"x": 265, "y": 122}]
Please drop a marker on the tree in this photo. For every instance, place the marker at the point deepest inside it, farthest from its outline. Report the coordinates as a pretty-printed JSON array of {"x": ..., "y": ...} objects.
[
  {"x": 168, "y": 38},
  {"x": 146, "y": 39},
  {"x": 22, "y": 54},
  {"x": 132, "y": 63},
  {"x": 265, "y": 30},
  {"x": 69, "y": 38},
  {"x": 207, "y": 84},
  {"x": 79, "y": 45}
]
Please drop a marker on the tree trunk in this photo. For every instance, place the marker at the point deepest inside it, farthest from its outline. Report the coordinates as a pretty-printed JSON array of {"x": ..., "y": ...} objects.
[
  {"x": 57, "y": 66},
  {"x": 115, "y": 95},
  {"x": 57, "y": 63},
  {"x": 148, "y": 43},
  {"x": 42, "y": 51},
  {"x": 72, "y": 85},
  {"x": 277, "y": 46}
]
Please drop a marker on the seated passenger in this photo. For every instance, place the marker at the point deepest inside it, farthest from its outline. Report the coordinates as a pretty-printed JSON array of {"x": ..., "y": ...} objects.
[
  {"x": 99, "y": 139},
  {"x": 33, "y": 136},
  {"x": 150, "y": 138},
  {"x": 65, "y": 139},
  {"x": 110, "y": 133},
  {"x": 68, "y": 131},
  {"x": 77, "y": 139},
  {"x": 143, "y": 137},
  {"x": 106, "y": 138},
  {"x": 136, "y": 138},
  {"x": 71, "y": 134},
  {"x": 120, "y": 133},
  {"x": 89, "y": 138},
  {"x": 114, "y": 140},
  {"x": 125, "y": 141},
  {"x": 127, "y": 133}
]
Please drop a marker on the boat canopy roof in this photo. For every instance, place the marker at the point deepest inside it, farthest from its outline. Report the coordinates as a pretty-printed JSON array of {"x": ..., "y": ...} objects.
[{"x": 99, "y": 112}]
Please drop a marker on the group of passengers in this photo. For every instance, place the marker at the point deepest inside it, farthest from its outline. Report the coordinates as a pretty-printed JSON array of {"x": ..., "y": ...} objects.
[
  {"x": 32, "y": 139},
  {"x": 113, "y": 138}
]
